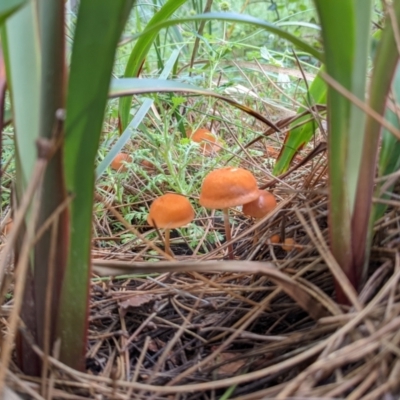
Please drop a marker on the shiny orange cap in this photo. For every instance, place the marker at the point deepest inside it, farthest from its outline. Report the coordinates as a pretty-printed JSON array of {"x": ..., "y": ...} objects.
[
  {"x": 170, "y": 211},
  {"x": 118, "y": 162},
  {"x": 206, "y": 140},
  {"x": 265, "y": 203},
  {"x": 228, "y": 187}
]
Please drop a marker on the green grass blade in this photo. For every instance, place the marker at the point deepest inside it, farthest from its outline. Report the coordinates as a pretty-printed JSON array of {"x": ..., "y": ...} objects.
[
  {"x": 136, "y": 121},
  {"x": 20, "y": 39},
  {"x": 359, "y": 78},
  {"x": 385, "y": 64},
  {"x": 48, "y": 269},
  {"x": 130, "y": 86},
  {"x": 342, "y": 42},
  {"x": 139, "y": 53},
  {"x": 98, "y": 29},
  {"x": 9, "y": 7},
  {"x": 299, "y": 136},
  {"x": 147, "y": 37},
  {"x": 3, "y": 87},
  {"x": 237, "y": 18},
  {"x": 389, "y": 160}
]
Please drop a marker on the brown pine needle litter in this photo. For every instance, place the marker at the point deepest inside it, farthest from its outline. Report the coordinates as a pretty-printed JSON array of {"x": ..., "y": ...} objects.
[{"x": 264, "y": 326}]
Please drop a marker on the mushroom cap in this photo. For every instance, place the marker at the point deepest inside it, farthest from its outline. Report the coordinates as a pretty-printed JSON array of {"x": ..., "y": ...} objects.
[
  {"x": 274, "y": 239},
  {"x": 206, "y": 140},
  {"x": 228, "y": 187},
  {"x": 170, "y": 211},
  {"x": 118, "y": 162},
  {"x": 265, "y": 203},
  {"x": 289, "y": 244}
]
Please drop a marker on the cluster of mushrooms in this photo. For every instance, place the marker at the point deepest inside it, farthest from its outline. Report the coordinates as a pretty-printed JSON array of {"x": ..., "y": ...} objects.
[{"x": 222, "y": 188}]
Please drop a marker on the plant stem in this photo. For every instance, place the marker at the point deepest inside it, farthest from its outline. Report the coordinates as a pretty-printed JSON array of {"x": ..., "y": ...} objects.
[{"x": 228, "y": 235}]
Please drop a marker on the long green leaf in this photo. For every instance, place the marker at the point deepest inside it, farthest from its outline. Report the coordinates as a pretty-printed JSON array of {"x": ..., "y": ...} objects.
[
  {"x": 385, "y": 64},
  {"x": 49, "y": 269},
  {"x": 3, "y": 87},
  {"x": 129, "y": 86},
  {"x": 389, "y": 160},
  {"x": 239, "y": 18},
  {"x": 7, "y": 8},
  {"x": 20, "y": 38},
  {"x": 139, "y": 53},
  {"x": 346, "y": 55},
  {"x": 152, "y": 30},
  {"x": 98, "y": 30}
]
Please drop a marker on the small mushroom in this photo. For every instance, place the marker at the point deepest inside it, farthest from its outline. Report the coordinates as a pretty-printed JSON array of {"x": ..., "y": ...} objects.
[
  {"x": 260, "y": 207},
  {"x": 170, "y": 211},
  {"x": 119, "y": 161},
  {"x": 208, "y": 142},
  {"x": 274, "y": 239},
  {"x": 290, "y": 244},
  {"x": 228, "y": 187}
]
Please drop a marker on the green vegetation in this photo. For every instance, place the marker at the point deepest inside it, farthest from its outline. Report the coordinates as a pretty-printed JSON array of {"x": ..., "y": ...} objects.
[{"x": 238, "y": 71}]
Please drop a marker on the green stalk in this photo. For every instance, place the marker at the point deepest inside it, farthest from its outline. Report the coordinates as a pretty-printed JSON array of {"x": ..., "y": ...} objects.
[
  {"x": 21, "y": 45},
  {"x": 346, "y": 55},
  {"x": 53, "y": 193},
  {"x": 139, "y": 53},
  {"x": 386, "y": 61},
  {"x": 98, "y": 29}
]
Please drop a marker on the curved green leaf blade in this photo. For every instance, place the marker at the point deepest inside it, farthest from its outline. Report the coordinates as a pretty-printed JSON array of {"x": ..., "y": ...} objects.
[
  {"x": 140, "y": 51},
  {"x": 9, "y": 7},
  {"x": 20, "y": 38},
  {"x": 389, "y": 160},
  {"x": 385, "y": 63},
  {"x": 346, "y": 56},
  {"x": 236, "y": 17},
  {"x": 151, "y": 32},
  {"x": 299, "y": 136},
  {"x": 91, "y": 66},
  {"x": 130, "y": 86}
]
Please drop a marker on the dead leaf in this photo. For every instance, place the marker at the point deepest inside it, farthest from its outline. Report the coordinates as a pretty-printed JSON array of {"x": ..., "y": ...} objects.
[
  {"x": 138, "y": 300},
  {"x": 229, "y": 368}
]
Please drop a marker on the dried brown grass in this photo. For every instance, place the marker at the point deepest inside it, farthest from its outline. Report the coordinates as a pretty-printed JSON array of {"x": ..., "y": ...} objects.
[{"x": 263, "y": 327}]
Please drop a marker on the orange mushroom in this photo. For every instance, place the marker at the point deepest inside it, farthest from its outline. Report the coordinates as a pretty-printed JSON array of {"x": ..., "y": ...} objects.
[
  {"x": 170, "y": 211},
  {"x": 260, "y": 207},
  {"x": 274, "y": 239},
  {"x": 119, "y": 161},
  {"x": 228, "y": 187},
  {"x": 291, "y": 244},
  {"x": 146, "y": 164},
  {"x": 208, "y": 142}
]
